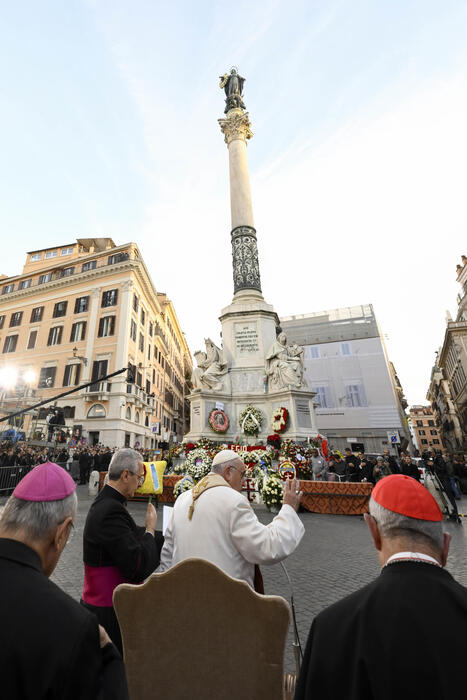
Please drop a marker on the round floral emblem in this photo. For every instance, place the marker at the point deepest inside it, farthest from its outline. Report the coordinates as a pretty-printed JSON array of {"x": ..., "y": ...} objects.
[
  {"x": 219, "y": 421},
  {"x": 250, "y": 420}
]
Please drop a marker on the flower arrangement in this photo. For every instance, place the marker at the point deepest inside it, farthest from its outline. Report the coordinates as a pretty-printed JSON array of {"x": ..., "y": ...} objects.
[
  {"x": 182, "y": 485},
  {"x": 274, "y": 440},
  {"x": 256, "y": 457},
  {"x": 250, "y": 420},
  {"x": 272, "y": 491},
  {"x": 189, "y": 446},
  {"x": 178, "y": 468},
  {"x": 218, "y": 420},
  {"x": 280, "y": 418},
  {"x": 289, "y": 448},
  {"x": 198, "y": 463}
]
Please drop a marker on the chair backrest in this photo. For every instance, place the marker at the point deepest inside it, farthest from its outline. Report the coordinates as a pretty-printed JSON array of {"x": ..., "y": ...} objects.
[{"x": 194, "y": 632}]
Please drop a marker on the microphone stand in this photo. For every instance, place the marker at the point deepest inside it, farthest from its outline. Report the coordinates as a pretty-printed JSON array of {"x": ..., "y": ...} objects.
[{"x": 297, "y": 647}]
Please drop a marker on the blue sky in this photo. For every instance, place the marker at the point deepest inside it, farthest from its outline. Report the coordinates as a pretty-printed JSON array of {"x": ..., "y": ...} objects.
[{"x": 108, "y": 115}]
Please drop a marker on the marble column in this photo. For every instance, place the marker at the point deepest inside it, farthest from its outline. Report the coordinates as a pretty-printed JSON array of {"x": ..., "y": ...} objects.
[{"x": 236, "y": 130}]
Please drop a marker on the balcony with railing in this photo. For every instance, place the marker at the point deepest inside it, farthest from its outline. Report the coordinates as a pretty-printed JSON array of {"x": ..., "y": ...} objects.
[
  {"x": 98, "y": 390},
  {"x": 137, "y": 395}
]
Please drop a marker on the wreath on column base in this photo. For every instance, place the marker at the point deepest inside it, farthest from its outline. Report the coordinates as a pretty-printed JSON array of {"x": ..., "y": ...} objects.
[
  {"x": 219, "y": 421},
  {"x": 250, "y": 420},
  {"x": 280, "y": 419}
]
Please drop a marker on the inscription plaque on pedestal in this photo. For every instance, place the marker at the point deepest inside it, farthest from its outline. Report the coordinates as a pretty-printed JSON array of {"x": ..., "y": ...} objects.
[{"x": 246, "y": 339}]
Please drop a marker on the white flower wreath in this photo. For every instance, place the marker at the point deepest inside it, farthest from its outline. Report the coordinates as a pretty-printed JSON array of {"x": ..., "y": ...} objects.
[
  {"x": 273, "y": 490},
  {"x": 183, "y": 485},
  {"x": 198, "y": 463},
  {"x": 250, "y": 420}
]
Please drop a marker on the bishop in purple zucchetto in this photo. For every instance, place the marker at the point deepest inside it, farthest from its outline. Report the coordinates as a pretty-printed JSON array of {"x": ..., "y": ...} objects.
[{"x": 46, "y": 482}]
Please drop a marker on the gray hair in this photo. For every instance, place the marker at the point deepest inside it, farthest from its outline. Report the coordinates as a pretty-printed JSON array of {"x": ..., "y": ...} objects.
[
  {"x": 37, "y": 519},
  {"x": 126, "y": 458},
  {"x": 392, "y": 524}
]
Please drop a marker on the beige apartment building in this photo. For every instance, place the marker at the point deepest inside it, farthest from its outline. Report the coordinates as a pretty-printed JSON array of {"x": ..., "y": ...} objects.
[
  {"x": 80, "y": 311},
  {"x": 425, "y": 431}
]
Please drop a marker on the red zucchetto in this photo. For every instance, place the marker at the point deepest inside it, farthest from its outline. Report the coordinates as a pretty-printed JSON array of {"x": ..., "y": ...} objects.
[
  {"x": 46, "y": 482},
  {"x": 402, "y": 494}
]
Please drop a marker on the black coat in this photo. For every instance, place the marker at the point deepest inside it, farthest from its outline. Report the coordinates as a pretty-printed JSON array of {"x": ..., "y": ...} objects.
[
  {"x": 402, "y": 636},
  {"x": 49, "y": 643},
  {"x": 410, "y": 470}
]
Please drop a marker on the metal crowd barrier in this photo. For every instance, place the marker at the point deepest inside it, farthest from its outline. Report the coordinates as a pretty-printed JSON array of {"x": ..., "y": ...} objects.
[{"x": 10, "y": 476}]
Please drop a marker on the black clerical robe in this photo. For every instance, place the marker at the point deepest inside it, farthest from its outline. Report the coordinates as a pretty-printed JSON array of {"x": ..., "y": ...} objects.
[
  {"x": 402, "y": 636},
  {"x": 115, "y": 550},
  {"x": 49, "y": 644}
]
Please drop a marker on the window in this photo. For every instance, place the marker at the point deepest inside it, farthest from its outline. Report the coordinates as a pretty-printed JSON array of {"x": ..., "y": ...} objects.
[
  {"x": 149, "y": 352},
  {"x": 2, "y": 321},
  {"x": 55, "y": 335},
  {"x": 78, "y": 332},
  {"x": 314, "y": 352},
  {"x": 32, "y": 340},
  {"x": 424, "y": 442},
  {"x": 69, "y": 411},
  {"x": 99, "y": 370},
  {"x": 8, "y": 288},
  {"x": 25, "y": 284},
  {"x": 47, "y": 377},
  {"x": 97, "y": 411},
  {"x": 117, "y": 258},
  {"x": 419, "y": 422},
  {"x": 153, "y": 376},
  {"x": 36, "y": 314},
  {"x": 133, "y": 330},
  {"x": 45, "y": 278},
  {"x": 71, "y": 375},
  {"x": 150, "y": 328},
  {"x": 148, "y": 386},
  {"x": 10, "y": 343},
  {"x": 60, "y": 309},
  {"x": 355, "y": 395},
  {"x": 66, "y": 251},
  {"x": 322, "y": 397},
  {"x": 141, "y": 342},
  {"x": 91, "y": 265},
  {"x": 345, "y": 349},
  {"x": 422, "y": 432},
  {"x": 143, "y": 317},
  {"x": 15, "y": 319},
  {"x": 135, "y": 302},
  {"x": 435, "y": 441},
  {"x": 106, "y": 326},
  {"x": 67, "y": 271},
  {"x": 36, "y": 257},
  {"x": 433, "y": 432},
  {"x": 109, "y": 298},
  {"x": 139, "y": 379},
  {"x": 51, "y": 254},
  {"x": 137, "y": 417},
  {"x": 146, "y": 421},
  {"x": 128, "y": 413},
  {"x": 81, "y": 305},
  {"x": 431, "y": 423}
]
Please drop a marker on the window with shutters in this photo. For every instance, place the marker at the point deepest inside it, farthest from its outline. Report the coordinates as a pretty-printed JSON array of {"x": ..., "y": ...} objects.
[
  {"x": 25, "y": 284},
  {"x": 90, "y": 265},
  {"x": 422, "y": 432},
  {"x": 314, "y": 352},
  {"x": 47, "y": 377},
  {"x": 345, "y": 349},
  {"x": 133, "y": 330},
  {"x": 151, "y": 328},
  {"x": 10, "y": 343},
  {"x": 356, "y": 397},
  {"x": 322, "y": 398},
  {"x": 60, "y": 309},
  {"x": 81, "y": 305},
  {"x": 8, "y": 288},
  {"x": 109, "y": 298},
  {"x": 143, "y": 317},
  {"x": 78, "y": 331},
  {"x": 67, "y": 271},
  {"x": 135, "y": 302},
  {"x": 148, "y": 386},
  {"x": 55, "y": 335},
  {"x": 32, "y": 340},
  {"x": 45, "y": 278},
  {"x": 99, "y": 370},
  {"x": 71, "y": 375},
  {"x": 106, "y": 326},
  {"x": 141, "y": 342},
  {"x": 139, "y": 379},
  {"x": 15, "y": 319},
  {"x": 2, "y": 321},
  {"x": 36, "y": 314}
]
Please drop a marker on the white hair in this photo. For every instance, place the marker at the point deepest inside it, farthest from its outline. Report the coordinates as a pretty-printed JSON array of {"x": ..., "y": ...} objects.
[
  {"x": 126, "y": 458},
  {"x": 37, "y": 519},
  {"x": 392, "y": 524}
]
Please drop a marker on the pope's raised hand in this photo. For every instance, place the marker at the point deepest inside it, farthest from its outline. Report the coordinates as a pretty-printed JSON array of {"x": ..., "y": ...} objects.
[{"x": 292, "y": 493}]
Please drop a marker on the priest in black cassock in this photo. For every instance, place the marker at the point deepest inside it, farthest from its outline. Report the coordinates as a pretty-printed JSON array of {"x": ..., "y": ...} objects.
[
  {"x": 115, "y": 549},
  {"x": 405, "y": 634}
]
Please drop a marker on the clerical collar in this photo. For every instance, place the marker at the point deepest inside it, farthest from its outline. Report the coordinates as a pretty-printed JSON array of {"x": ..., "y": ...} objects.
[{"x": 413, "y": 556}]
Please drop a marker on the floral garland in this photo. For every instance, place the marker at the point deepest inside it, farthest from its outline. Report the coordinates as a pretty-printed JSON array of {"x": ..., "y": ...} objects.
[
  {"x": 279, "y": 419},
  {"x": 272, "y": 492},
  {"x": 250, "y": 420},
  {"x": 256, "y": 457},
  {"x": 218, "y": 420},
  {"x": 198, "y": 463},
  {"x": 182, "y": 485}
]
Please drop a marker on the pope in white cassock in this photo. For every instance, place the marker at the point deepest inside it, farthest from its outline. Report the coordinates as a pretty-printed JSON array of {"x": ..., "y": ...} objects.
[{"x": 215, "y": 521}]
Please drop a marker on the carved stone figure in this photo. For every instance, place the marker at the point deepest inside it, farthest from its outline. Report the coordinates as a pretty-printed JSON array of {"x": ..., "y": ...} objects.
[
  {"x": 284, "y": 365},
  {"x": 233, "y": 86},
  {"x": 211, "y": 369}
]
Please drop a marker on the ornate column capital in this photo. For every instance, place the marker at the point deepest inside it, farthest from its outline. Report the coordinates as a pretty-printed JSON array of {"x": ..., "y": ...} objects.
[{"x": 236, "y": 126}]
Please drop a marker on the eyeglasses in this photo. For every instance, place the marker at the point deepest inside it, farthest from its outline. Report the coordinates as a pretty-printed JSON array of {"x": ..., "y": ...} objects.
[
  {"x": 140, "y": 477},
  {"x": 242, "y": 473}
]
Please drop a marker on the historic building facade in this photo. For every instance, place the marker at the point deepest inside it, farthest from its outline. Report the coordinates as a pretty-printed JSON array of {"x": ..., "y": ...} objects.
[
  {"x": 359, "y": 398},
  {"x": 80, "y": 311},
  {"x": 426, "y": 433}
]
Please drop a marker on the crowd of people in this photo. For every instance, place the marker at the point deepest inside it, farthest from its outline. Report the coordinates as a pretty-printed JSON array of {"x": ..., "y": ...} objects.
[{"x": 57, "y": 648}]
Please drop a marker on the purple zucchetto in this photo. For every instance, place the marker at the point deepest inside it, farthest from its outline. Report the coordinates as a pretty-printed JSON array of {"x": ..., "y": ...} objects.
[{"x": 46, "y": 482}]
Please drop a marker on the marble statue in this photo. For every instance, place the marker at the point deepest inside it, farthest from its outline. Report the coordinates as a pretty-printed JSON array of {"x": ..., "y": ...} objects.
[
  {"x": 211, "y": 369},
  {"x": 233, "y": 86},
  {"x": 284, "y": 365}
]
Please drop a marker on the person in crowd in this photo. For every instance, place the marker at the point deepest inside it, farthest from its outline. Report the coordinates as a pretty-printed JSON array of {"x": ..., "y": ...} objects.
[
  {"x": 85, "y": 464},
  {"x": 391, "y": 460},
  {"x": 366, "y": 471},
  {"x": 216, "y": 522},
  {"x": 380, "y": 470},
  {"x": 337, "y": 466},
  {"x": 445, "y": 471},
  {"x": 115, "y": 549},
  {"x": 51, "y": 646},
  {"x": 403, "y": 635},
  {"x": 410, "y": 468},
  {"x": 319, "y": 468},
  {"x": 352, "y": 463},
  {"x": 451, "y": 473}
]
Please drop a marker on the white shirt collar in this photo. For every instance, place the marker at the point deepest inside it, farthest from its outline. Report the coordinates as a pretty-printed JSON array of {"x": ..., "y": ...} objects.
[{"x": 414, "y": 556}]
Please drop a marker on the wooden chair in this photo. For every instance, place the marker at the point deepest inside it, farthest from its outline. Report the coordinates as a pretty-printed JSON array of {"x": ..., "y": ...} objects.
[{"x": 195, "y": 633}]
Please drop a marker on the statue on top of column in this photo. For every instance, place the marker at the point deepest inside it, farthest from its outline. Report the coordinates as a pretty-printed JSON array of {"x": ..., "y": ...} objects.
[{"x": 233, "y": 85}]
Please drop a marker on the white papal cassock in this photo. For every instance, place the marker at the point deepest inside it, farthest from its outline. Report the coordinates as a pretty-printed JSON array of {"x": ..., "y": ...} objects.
[{"x": 225, "y": 530}]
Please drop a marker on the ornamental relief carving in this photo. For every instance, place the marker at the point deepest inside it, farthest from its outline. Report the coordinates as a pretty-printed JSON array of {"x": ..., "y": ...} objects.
[
  {"x": 245, "y": 259},
  {"x": 237, "y": 126}
]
